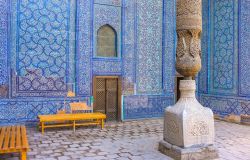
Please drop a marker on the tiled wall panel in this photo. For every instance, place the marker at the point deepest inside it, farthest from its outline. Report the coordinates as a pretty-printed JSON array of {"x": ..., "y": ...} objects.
[
  {"x": 42, "y": 36},
  {"x": 228, "y": 57},
  {"x": 145, "y": 106},
  {"x": 149, "y": 46},
  {"x": 4, "y": 86},
  {"x": 84, "y": 46},
  {"x": 203, "y": 78},
  {"x": 225, "y": 105},
  {"x": 224, "y": 47},
  {"x": 145, "y": 62},
  {"x": 128, "y": 54},
  {"x": 26, "y": 110},
  {"x": 244, "y": 52}
]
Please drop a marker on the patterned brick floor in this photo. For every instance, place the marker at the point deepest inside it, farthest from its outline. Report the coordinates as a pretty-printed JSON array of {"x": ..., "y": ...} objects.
[{"x": 136, "y": 140}]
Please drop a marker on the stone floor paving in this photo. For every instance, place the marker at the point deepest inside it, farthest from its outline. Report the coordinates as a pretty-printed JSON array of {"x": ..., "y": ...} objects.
[{"x": 133, "y": 140}]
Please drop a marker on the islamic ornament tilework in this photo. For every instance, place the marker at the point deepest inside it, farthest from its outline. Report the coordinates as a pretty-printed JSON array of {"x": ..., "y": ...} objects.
[
  {"x": 107, "y": 67},
  {"x": 109, "y": 2},
  {"x": 227, "y": 56},
  {"x": 169, "y": 47},
  {"x": 41, "y": 47},
  {"x": 27, "y": 110},
  {"x": 84, "y": 46},
  {"x": 203, "y": 79},
  {"x": 145, "y": 106},
  {"x": 107, "y": 15},
  {"x": 77, "y": 62},
  {"x": 128, "y": 54},
  {"x": 244, "y": 52},
  {"x": 111, "y": 15},
  {"x": 224, "y": 105},
  {"x": 133, "y": 28},
  {"x": 224, "y": 46},
  {"x": 149, "y": 46},
  {"x": 3, "y": 47}
]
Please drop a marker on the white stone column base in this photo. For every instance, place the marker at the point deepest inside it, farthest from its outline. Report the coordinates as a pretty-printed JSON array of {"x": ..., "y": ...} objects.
[
  {"x": 201, "y": 152},
  {"x": 188, "y": 126}
]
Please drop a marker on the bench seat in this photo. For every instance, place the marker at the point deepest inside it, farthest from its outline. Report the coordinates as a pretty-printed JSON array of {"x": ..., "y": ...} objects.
[
  {"x": 14, "y": 139},
  {"x": 76, "y": 119}
]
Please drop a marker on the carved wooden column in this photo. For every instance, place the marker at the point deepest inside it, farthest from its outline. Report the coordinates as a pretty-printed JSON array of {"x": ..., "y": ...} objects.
[
  {"x": 188, "y": 126},
  {"x": 189, "y": 28}
]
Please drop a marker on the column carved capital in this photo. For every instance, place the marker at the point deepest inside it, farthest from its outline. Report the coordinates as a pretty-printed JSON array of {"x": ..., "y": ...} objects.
[{"x": 189, "y": 29}]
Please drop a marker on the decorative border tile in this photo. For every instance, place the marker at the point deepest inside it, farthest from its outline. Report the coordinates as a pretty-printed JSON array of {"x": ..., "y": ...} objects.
[
  {"x": 4, "y": 7},
  {"x": 224, "y": 47},
  {"x": 149, "y": 46},
  {"x": 52, "y": 77},
  {"x": 135, "y": 107},
  {"x": 244, "y": 48},
  {"x": 224, "y": 105},
  {"x": 84, "y": 48},
  {"x": 26, "y": 110}
]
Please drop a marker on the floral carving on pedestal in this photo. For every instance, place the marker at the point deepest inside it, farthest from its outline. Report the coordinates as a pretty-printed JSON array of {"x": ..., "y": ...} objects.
[
  {"x": 172, "y": 128},
  {"x": 199, "y": 128}
]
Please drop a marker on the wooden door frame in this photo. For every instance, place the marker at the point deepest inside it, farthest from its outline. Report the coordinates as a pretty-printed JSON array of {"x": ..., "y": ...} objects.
[{"x": 119, "y": 94}]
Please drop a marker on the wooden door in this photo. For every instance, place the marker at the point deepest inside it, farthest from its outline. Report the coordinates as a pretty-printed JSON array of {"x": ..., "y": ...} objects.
[
  {"x": 100, "y": 99},
  {"x": 112, "y": 98},
  {"x": 106, "y": 99}
]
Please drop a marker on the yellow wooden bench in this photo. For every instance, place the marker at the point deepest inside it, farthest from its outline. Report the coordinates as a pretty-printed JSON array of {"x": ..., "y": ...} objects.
[
  {"x": 96, "y": 119},
  {"x": 14, "y": 139}
]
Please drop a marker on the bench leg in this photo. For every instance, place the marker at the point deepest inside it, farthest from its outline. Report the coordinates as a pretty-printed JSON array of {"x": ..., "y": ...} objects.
[
  {"x": 102, "y": 123},
  {"x": 42, "y": 127},
  {"x": 74, "y": 126},
  {"x": 23, "y": 155},
  {"x": 39, "y": 126}
]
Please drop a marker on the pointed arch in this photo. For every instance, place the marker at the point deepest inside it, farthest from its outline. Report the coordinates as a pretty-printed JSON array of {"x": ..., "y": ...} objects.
[{"x": 106, "y": 41}]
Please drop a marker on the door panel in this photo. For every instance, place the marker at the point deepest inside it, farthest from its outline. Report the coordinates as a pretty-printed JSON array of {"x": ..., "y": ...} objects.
[
  {"x": 100, "y": 99},
  {"x": 111, "y": 98},
  {"x": 106, "y": 97}
]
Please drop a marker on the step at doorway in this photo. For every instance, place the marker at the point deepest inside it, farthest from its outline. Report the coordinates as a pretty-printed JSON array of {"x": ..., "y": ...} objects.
[{"x": 107, "y": 96}]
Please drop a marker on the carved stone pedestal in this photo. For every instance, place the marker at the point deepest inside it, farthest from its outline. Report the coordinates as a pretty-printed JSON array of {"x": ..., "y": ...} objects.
[{"x": 188, "y": 127}]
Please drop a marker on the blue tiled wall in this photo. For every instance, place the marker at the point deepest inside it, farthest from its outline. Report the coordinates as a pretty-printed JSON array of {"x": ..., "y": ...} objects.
[
  {"x": 48, "y": 48},
  {"x": 224, "y": 79},
  {"x": 37, "y": 72}
]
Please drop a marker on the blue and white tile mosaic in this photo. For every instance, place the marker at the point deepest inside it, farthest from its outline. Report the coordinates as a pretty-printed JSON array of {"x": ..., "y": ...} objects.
[
  {"x": 203, "y": 78},
  {"x": 27, "y": 110},
  {"x": 108, "y": 67},
  {"x": 149, "y": 46},
  {"x": 84, "y": 46},
  {"x": 225, "y": 105},
  {"x": 66, "y": 47},
  {"x": 224, "y": 47},
  {"x": 40, "y": 47},
  {"x": 146, "y": 61},
  {"x": 111, "y": 15},
  {"x": 145, "y": 106},
  {"x": 169, "y": 39},
  {"x": 109, "y": 2},
  {"x": 4, "y": 42},
  {"x": 128, "y": 54},
  {"x": 244, "y": 48},
  {"x": 224, "y": 80}
]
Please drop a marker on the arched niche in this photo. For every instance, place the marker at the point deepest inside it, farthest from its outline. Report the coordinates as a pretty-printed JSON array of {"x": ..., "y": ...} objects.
[{"x": 106, "y": 41}]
